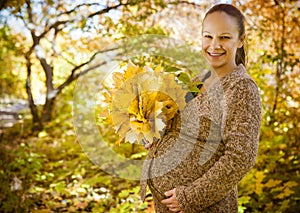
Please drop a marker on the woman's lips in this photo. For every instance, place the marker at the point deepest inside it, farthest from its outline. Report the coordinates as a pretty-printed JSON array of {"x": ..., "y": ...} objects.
[{"x": 215, "y": 54}]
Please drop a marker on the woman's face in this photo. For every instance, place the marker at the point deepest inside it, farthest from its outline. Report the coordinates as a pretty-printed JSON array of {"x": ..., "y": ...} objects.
[{"x": 220, "y": 40}]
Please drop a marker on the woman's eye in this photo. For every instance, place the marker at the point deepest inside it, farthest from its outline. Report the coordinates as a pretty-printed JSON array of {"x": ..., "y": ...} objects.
[
  {"x": 225, "y": 37},
  {"x": 208, "y": 36}
]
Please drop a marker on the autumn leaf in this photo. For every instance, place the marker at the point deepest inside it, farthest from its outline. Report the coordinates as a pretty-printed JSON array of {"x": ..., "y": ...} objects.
[
  {"x": 142, "y": 102},
  {"x": 272, "y": 183}
]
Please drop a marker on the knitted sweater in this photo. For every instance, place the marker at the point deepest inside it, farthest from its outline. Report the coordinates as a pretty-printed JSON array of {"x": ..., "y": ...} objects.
[{"x": 211, "y": 146}]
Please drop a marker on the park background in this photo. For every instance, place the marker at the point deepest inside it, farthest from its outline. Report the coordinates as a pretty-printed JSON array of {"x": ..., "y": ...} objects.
[{"x": 46, "y": 46}]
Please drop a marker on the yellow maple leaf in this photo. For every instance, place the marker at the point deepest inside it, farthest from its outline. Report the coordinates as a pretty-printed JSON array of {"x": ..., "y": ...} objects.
[
  {"x": 131, "y": 70},
  {"x": 107, "y": 97},
  {"x": 118, "y": 79}
]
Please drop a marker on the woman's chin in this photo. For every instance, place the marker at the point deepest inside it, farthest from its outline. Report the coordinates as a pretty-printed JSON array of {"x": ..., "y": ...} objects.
[{"x": 215, "y": 65}]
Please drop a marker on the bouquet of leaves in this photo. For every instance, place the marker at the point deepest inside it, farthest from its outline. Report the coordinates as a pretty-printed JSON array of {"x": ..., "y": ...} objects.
[{"x": 142, "y": 102}]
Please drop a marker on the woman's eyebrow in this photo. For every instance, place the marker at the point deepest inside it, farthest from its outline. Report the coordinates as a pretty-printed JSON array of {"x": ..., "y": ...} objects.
[{"x": 226, "y": 33}]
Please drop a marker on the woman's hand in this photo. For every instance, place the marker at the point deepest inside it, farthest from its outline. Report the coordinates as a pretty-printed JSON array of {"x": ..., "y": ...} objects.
[
  {"x": 172, "y": 202},
  {"x": 146, "y": 144}
]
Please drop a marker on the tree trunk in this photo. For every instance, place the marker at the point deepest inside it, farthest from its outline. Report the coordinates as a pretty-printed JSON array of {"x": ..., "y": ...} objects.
[
  {"x": 51, "y": 92},
  {"x": 280, "y": 64},
  {"x": 48, "y": 109},
  {"x": 37, "y": 123}
]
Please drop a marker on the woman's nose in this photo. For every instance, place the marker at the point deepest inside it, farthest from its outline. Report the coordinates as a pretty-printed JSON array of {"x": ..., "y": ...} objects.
[{"x": 215, "y": 43}]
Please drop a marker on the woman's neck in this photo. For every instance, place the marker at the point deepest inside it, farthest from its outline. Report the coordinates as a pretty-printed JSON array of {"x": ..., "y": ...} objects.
[
  {"x": 222, "y": 71},
  {"x": 215, "y": 76}
]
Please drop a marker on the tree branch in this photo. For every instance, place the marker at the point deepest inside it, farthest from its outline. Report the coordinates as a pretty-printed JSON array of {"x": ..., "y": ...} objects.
[
  {"x": 280, "y": 64},
  {"x": 186, "y": 2},
  {"x": 29, "y": 11},
  {"x": 57, "y": 23},
  {"x": 54, "y": 26},
  {"x": 73, "y": 76},
  {"x": 3, "y": 4},
  {"x": 67, "y": 60},
  {"x": 76, "y": 7},
  {"x": 48, "y": 72},
  {"x": 107, "y": 9}
]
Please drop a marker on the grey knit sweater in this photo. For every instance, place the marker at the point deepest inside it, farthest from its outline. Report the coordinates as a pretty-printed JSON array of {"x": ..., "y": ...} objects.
[{"x": 209, "y": 148}]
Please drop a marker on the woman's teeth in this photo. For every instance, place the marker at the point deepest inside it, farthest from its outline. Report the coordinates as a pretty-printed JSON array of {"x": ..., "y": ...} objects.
[{"x": 215, "y": 54}]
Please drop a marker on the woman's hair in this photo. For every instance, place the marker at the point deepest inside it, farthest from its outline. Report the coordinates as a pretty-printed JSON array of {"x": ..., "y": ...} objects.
[{"x": 236, "y": 13}]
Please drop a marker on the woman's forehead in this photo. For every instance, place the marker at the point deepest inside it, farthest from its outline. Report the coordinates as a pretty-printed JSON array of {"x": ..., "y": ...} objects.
[{"x": 220, "y": 21}]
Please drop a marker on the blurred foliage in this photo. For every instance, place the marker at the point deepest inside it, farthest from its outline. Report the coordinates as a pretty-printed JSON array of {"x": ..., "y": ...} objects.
[
  {"x": 10, "y": 64},
  {"x": 273, "y": 185},
  {"x": 50, "y": 173}
]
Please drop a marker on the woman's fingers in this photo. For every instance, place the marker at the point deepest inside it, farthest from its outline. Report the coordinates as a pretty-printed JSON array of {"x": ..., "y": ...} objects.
[
  {"x": 172, "y": 202},
  {"x": 175, "y": 209}
]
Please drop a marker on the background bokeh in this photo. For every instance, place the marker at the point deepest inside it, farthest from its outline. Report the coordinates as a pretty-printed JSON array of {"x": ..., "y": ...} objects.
[{"x": 47, "y": 46}]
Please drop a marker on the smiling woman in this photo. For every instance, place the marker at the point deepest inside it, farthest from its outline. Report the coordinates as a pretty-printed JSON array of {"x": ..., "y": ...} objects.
[
  {"x": 213, "y": 142},
  {"x": 223, "y": 41}
]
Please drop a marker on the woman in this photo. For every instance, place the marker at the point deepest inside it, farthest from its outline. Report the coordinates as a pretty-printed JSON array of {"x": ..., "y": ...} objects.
[{"x": 199, "y": 162}]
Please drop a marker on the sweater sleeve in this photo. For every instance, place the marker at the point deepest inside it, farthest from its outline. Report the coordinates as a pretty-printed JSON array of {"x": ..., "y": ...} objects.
[{"x": 240, "y": 136}]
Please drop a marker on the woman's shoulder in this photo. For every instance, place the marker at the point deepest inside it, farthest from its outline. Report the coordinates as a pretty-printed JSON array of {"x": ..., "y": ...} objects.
[
  {"x": 241, "y": 89},
  {"x": 201, "y": 77},
  {"x": 239, "y": 78}
]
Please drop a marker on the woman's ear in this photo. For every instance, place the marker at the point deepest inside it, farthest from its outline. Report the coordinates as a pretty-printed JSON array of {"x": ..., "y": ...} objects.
[{"x": 242, "y": 41}]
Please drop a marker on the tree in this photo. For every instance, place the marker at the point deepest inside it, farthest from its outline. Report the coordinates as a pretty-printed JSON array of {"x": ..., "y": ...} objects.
[
  {"x": 47, "y": 28},
  {"x": 47, "y": 22},
  {"x": 275, "y": 39},
  {"x": 274, "y": 62},
  {"x": 72, "y": 34}
]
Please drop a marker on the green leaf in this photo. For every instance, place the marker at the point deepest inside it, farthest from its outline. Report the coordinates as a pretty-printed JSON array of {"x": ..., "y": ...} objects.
[
  {"x": 194, "y": 89},
  {"x": 59, "y": 187},
  {"x": 184, "y": 78},
  {"x": 172, "y": 69},
  {"x": 139, "y": 155},
  {"x": 42, "y": 134}
]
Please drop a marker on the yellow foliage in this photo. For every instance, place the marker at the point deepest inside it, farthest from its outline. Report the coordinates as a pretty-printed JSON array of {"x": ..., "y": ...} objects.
[
  {"x": 286, "y": 193},
  {"x": 142, "y": 103},
  {"x": 272, "y": 183},
  {"x": 259, "y": 185},
  {"x": 131, "y": 71},
  {"x": 259, "y": 176},
  {"x": 118, "y": 79},
  {"x": 269, "y": 206},
  {"x": 286, "y": 189},
  {"x": 291, "y": 184}
]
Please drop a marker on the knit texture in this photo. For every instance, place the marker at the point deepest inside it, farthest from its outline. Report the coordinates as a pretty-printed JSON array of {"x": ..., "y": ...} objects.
[{"x": 209, "y": 148}]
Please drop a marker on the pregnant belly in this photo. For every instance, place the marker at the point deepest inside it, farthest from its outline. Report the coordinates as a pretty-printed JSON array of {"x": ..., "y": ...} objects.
[{"x": 175, "y": 162}]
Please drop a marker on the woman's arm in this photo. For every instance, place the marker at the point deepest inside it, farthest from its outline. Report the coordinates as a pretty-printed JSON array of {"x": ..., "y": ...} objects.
[{"x": 240, "y": 136}]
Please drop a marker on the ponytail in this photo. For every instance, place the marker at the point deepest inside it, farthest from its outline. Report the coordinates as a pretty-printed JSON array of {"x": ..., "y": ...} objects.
[{"x": 240, "y": 57}]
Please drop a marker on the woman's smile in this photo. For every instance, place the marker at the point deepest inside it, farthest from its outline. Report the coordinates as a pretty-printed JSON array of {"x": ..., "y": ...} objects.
[
  {"x": 215, "y": 54},
  {"x": 220, "y": 41}
]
